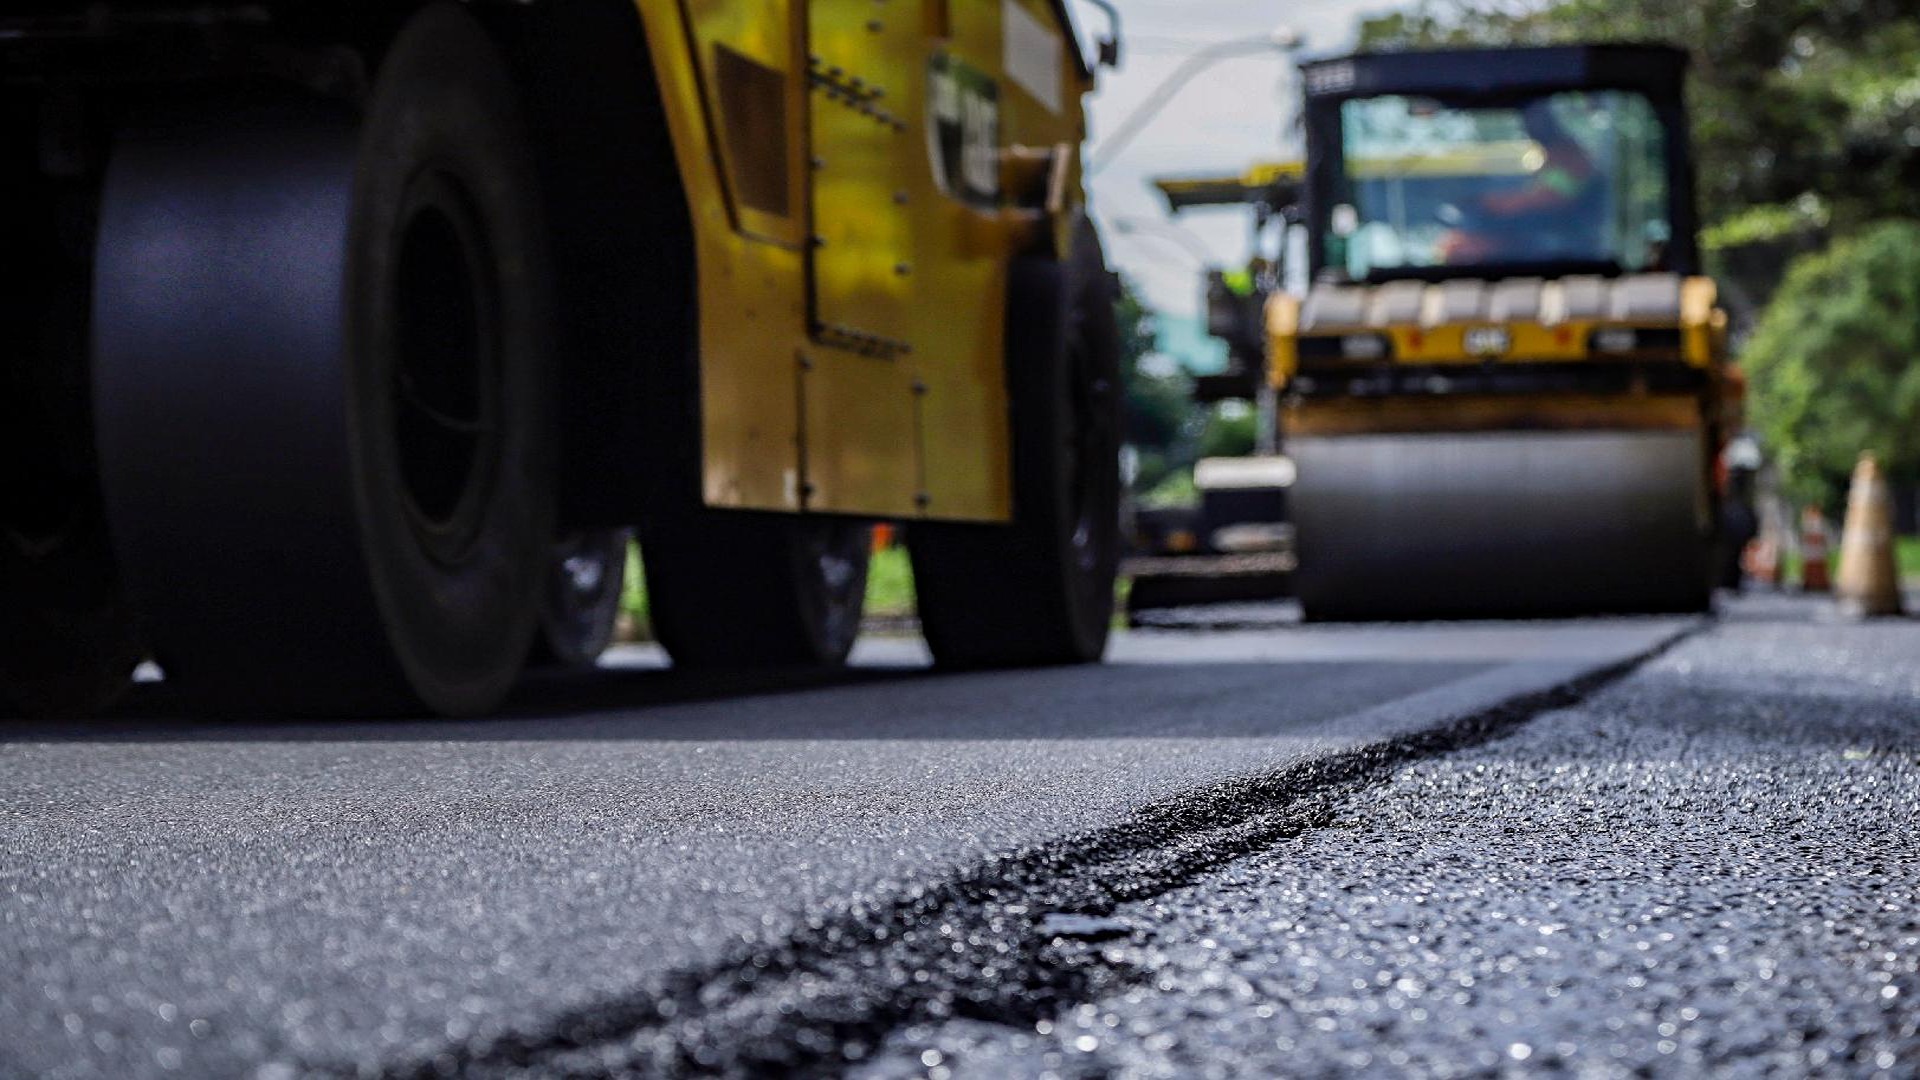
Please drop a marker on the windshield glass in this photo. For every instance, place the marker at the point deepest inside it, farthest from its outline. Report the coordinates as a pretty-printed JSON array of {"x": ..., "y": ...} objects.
[{"x": 1564, "y": 178}]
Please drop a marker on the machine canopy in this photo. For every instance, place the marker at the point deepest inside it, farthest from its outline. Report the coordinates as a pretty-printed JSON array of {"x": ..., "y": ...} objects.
[
  {"x": 1495, "y": 164},
  {"x": 1575, "y": 177}
]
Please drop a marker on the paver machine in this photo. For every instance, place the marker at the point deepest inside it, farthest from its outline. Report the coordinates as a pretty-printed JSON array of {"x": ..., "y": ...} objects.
[
  {"x": 1502, "y": 390},
  {"x": 334, "y": 328}
]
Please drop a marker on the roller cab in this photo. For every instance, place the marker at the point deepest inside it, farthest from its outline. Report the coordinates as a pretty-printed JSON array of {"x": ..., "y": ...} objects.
[{"x": 1501, "y": 389}]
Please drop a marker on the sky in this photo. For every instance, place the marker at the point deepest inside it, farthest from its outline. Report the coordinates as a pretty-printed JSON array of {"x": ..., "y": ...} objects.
[{"x": 1229, "y": 115}]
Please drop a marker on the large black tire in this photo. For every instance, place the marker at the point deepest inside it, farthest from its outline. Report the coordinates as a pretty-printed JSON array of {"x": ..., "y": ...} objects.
[
  {"x": 68, "y": 641},
  {"x": 1040, "y": 591},
  {"x": 321, "y": 383},
  {"x": 580, "y": 604},
  {"x": 729, "y": 589}
]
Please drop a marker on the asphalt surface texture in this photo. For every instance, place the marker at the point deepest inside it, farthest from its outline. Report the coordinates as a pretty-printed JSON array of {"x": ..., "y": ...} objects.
[{"x": 1243, "y": 847}]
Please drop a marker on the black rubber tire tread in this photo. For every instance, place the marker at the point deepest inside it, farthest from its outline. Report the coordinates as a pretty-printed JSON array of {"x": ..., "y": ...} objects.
[
  {"x": 1025, "y": 594},
  {"x": 576, "y": 626},
  {"x": 246, "y": 362},
  {"x": 68, "y": 640},
  {"x": 727, "y": 589},
  {"x": 621, "y": 227}
]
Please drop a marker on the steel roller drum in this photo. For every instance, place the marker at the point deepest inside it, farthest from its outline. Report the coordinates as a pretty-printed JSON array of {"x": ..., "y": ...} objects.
[{"x": 1498, "y": 524}]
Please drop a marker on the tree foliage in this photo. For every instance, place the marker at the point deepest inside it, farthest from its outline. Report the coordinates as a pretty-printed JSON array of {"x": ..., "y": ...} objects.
[
  {"x": 1833, "y": 363},
  {"x": 1790, "y": 98},
  {"x": 1156, "y": 406},
  {"x": 1230, "y": 431}
]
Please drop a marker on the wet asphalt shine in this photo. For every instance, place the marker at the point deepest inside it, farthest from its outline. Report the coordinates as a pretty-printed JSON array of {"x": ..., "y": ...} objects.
[{"x": 1244, "y": 847}]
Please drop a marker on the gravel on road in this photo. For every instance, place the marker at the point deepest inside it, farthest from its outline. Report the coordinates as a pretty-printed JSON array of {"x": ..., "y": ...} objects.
[{"x": 1709, "y": 867}]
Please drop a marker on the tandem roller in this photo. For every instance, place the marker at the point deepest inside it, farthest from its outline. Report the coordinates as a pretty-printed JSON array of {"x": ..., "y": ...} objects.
[
  {"x": 1500, "y": 523},
  {"x": 1503, "y": 391}
]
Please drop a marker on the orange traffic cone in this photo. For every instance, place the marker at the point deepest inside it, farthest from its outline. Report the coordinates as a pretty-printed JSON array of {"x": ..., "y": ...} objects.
[
  {"x": 1764, "y": 553},
  {"x": 1814, "y": 575},
  {"x": 1869, "y": 577},
  {"x": 1761, "y": 559}
]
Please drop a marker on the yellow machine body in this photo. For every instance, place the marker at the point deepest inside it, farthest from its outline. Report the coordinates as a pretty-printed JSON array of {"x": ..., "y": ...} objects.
[
  {"x": 860, "y": 175},
  {"x": 1506, "y": 323},
  {"x": 1515, "y": 446},
  {"x": 1652, "y": 321}
]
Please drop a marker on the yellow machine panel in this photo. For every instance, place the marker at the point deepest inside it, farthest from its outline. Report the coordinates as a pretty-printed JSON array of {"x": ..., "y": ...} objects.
[
  {"x": 1411, "y": 323},
  {"x": 857, "y": 189},
  {"x": 861, "y": 58},
  {"x": 860, "y": 173},
  {"x": 857, "y": 388},
  {"x": 752, "y": 264},
  {"x": 964, "y": 236}
]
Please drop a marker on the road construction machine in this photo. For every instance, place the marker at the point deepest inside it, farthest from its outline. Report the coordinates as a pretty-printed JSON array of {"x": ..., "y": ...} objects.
[
  {"x": 1502, "y": 390},
  {"x": 1233, "y": 542},
  {"x": 345, "y": 338}
]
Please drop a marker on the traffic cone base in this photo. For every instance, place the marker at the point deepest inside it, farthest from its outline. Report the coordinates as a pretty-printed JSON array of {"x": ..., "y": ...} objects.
[
  {"x": 1869, "y": 582},
  {"x": 1815, "y": 575}
]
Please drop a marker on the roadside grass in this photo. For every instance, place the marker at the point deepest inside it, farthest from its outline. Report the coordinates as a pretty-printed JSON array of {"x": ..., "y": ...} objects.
[
  {"x": 633, "y": 600},
  {"x": 890, "y": 584}
]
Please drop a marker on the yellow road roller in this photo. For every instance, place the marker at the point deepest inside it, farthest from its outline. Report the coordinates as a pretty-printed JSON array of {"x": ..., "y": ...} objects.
[
  {"x": 346, "y": 340},
  {"x": 1502, "y": 388}
]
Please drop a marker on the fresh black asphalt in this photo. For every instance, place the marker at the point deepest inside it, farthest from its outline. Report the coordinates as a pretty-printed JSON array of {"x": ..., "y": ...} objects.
[
  {"x": 1711, "y": 867},
  {"x": 1175, "y": 864}
]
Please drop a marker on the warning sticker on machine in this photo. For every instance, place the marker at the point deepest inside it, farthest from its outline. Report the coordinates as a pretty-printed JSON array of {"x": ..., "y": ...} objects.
[{"x": 963, "y": 130}]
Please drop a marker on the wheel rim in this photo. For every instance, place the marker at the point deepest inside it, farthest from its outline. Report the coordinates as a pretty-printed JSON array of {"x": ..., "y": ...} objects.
[
  {"x": 446, "y": 374},
  {"x": 832, "y": 559},
  {"x": 585, "y": 574},
  {"x": 582, "y": 601},
  {"x": 588, "y": 572}
]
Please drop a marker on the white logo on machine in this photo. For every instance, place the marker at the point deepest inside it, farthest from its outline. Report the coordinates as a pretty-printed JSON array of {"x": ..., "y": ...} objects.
[
  {"x": 1488, "y": 341},
  {"x": 963, "y": 131}
]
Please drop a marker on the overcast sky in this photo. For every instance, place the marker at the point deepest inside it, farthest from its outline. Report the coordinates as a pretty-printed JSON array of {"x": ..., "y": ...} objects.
[{"x": 1228, "y": 116}]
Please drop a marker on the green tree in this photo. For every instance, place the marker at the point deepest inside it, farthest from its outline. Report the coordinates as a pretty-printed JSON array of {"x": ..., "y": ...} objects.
[
  {"x": 1156, "y": 407},
  {"x": 1789, "y": 98},
  {"x": 1834, "y": 366},
  {"x": 1229, "y": 431}
]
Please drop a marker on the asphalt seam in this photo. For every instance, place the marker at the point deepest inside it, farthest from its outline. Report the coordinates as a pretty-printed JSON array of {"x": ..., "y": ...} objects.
[{"x": 968, "y": 945}]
